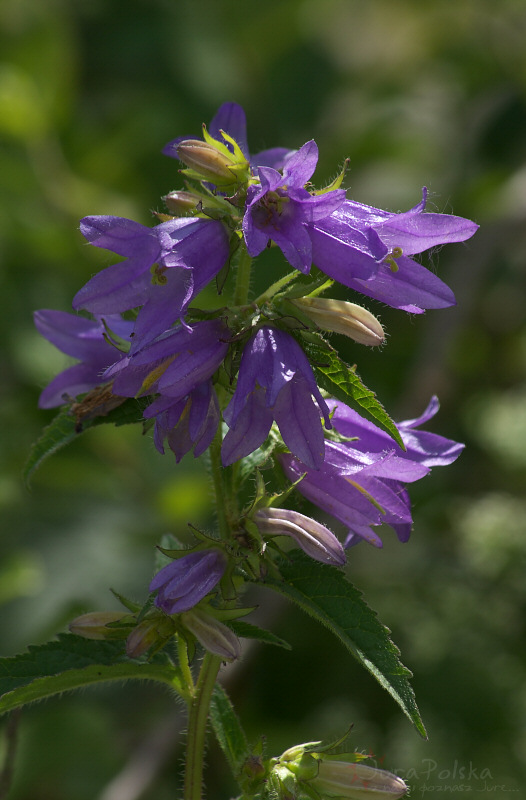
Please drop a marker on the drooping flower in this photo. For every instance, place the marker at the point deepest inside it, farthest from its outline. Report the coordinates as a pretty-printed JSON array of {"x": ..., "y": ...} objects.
[
  {"x": 231, "y": 119},
  {"x": 83, "y": 339},
  {"x": 358, "y": 239},
  {"x": 175, "y": 363},
  {"x": 185, "y": 581},
  {"x": 190, "y": 422},
  {"x": 363, "y": 482},
  {"x": 165, "y": 268},
  {"x": 279, "y": 208},
  {"x": 314, "y": 538},
  {"x": 275, "y": 382}
]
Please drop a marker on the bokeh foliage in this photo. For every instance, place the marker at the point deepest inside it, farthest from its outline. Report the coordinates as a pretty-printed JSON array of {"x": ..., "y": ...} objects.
[{"x": 415, "y": 94}]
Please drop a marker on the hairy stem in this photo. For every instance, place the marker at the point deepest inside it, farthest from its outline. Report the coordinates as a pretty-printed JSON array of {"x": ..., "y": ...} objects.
[
  {"x": 243, "y": 277},
  {"x": 198, "y": 716}
]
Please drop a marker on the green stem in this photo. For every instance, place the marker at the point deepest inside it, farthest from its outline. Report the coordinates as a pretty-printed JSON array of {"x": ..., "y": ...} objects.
[
  {"x": 243, "y": 277},
  {"x": 221, "y": 488},
  {"x": 198, "y": 716},
  {"x": 184, "y": 666}
]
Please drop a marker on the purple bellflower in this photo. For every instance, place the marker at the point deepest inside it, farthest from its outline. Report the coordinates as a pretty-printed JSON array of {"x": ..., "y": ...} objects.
[
  {"x": 184, "y": 582},
  {"x": 175, "y": 363},
  {"x": 275, "y": 382},
  {"x": 362, "y": 483},
  {"x": 83, "y": 339},
  {"x": 165, "y": 268},
  {"x": 369, "y": 250},
  {"x": 187, "y": 423},
  {"x": 231, "y": 119},
  {"x": 279, "y": 208}
]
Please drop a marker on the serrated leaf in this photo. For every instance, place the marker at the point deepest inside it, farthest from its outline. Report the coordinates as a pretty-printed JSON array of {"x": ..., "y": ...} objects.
[
  {"x": 248, "y": 631},
  {"x": 228, "y": 730},
  {"x": 342, "y": 382},
  {"x": 324, "y": 593},
  {"x": 64, "y": 428},
  {"x": 70, "y": 663}
]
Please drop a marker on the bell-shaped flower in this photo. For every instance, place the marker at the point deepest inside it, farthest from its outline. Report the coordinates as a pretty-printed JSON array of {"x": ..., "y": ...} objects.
[
  {"x": 185, "y": 581},
  {"x": 279, "y": 208},
  {"x": 165, "y": 268},
  {"x": 275, "y": 382},
  {"x": 175, "y": 363},
  {"x": 369, "y": 250},
  {"x": 190, "y": 422},
  {"x": 314, "y": 538},
  {"x": 83, "y": 339},
  {"x": 363, "y": 482},
  {"x": 231, "y": 119}
]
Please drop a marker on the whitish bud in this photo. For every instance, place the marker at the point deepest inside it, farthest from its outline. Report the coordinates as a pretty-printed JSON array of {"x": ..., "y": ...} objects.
[
  {"x": 343, "y": 317},
  {"x": 212, "y": 634},
  {"x": 357, "y": 782},
  {"x": 180, "y": 203},
  {"x": 314, "y": 538},
  {"x": 94, "y": 625},
  {"x": 208, "y": 161}
]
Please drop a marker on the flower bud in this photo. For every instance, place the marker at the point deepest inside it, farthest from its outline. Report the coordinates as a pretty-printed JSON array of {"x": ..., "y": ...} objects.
[
  {"x": 208, "y": 161},
  {"x": 148, "y": 633},
  {"x": 314, "y": 538},
  {"x": 212, "y": 634},
  {"x": 357, "y": 781},
  {"x": 94, "y": 625},
  {"x": 343, "y": 317},
  {"x": 180, "y": 203}
]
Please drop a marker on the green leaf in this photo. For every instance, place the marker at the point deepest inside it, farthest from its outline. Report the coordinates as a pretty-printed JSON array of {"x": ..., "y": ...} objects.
[
  {"x": 248, "y": 631},
  {"x": 325, "y": 593},
  {"x": 342, "y": 382},
  {"x": 64, "y": 428},
  {"x": 70, "y": 663},
  {"x": 228, "y": 731}
]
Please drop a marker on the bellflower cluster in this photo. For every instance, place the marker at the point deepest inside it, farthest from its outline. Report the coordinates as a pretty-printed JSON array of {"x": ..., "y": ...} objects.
[{"x": 230, "y": 377}]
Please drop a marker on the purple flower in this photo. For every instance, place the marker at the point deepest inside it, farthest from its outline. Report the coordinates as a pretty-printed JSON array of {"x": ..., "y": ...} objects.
[
  {"x": 368, "y": 250},
  {"x": 279, "y": 208},
  {"x": 83, "y": 339},
  {"x": 275, "y": 382},
  {"x": 183, "y": 583},
  {"x": 166, "y": 267},
  {"x": 187, "y": 423},
  {"x": 175, "y": 363},
  {"x": 362, "y": 483},
  {"x": 231, "y": 119},
  {"x": 314, "y": 538}
]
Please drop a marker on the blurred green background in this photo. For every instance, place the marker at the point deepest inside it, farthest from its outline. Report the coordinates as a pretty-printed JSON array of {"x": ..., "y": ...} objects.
[{"x": 415, "y": 94}]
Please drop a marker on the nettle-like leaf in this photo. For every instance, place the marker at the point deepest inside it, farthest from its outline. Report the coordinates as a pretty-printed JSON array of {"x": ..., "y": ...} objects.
[
  {"x": 72, "y": 662},
  {"x": 228, "y": 731},
  {"x": 325, "y": 594},
  {"x": 65, "y": 427},
  {"x": 342, "y": 382}
]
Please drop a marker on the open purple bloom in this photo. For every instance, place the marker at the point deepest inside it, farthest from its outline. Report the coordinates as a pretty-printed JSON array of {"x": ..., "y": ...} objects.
[
  {"x": 275, "y": 382},
  {"x": 165, "y": 268},
  {"x": 279, "y": 208},
  {"x": 231, "y": 119},
  {"x": 183, "y": 583},
  {"x": 363, "y": 483},
  {"x": 368, "y": 250},
  {"x": 187, "y": 423},
  {"x": 175, "y": 363},
  {"x": 83, "y": 339}
]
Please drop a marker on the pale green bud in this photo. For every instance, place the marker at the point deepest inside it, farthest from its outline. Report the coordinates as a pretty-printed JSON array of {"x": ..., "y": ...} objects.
[
  {"x": 94, "y": 625},
  {"x": 180, "y": 203},
  {"x": 357, "y": 781},
  {"x": 343, "y": 317},
  {"x": 207, "y": 161}
]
